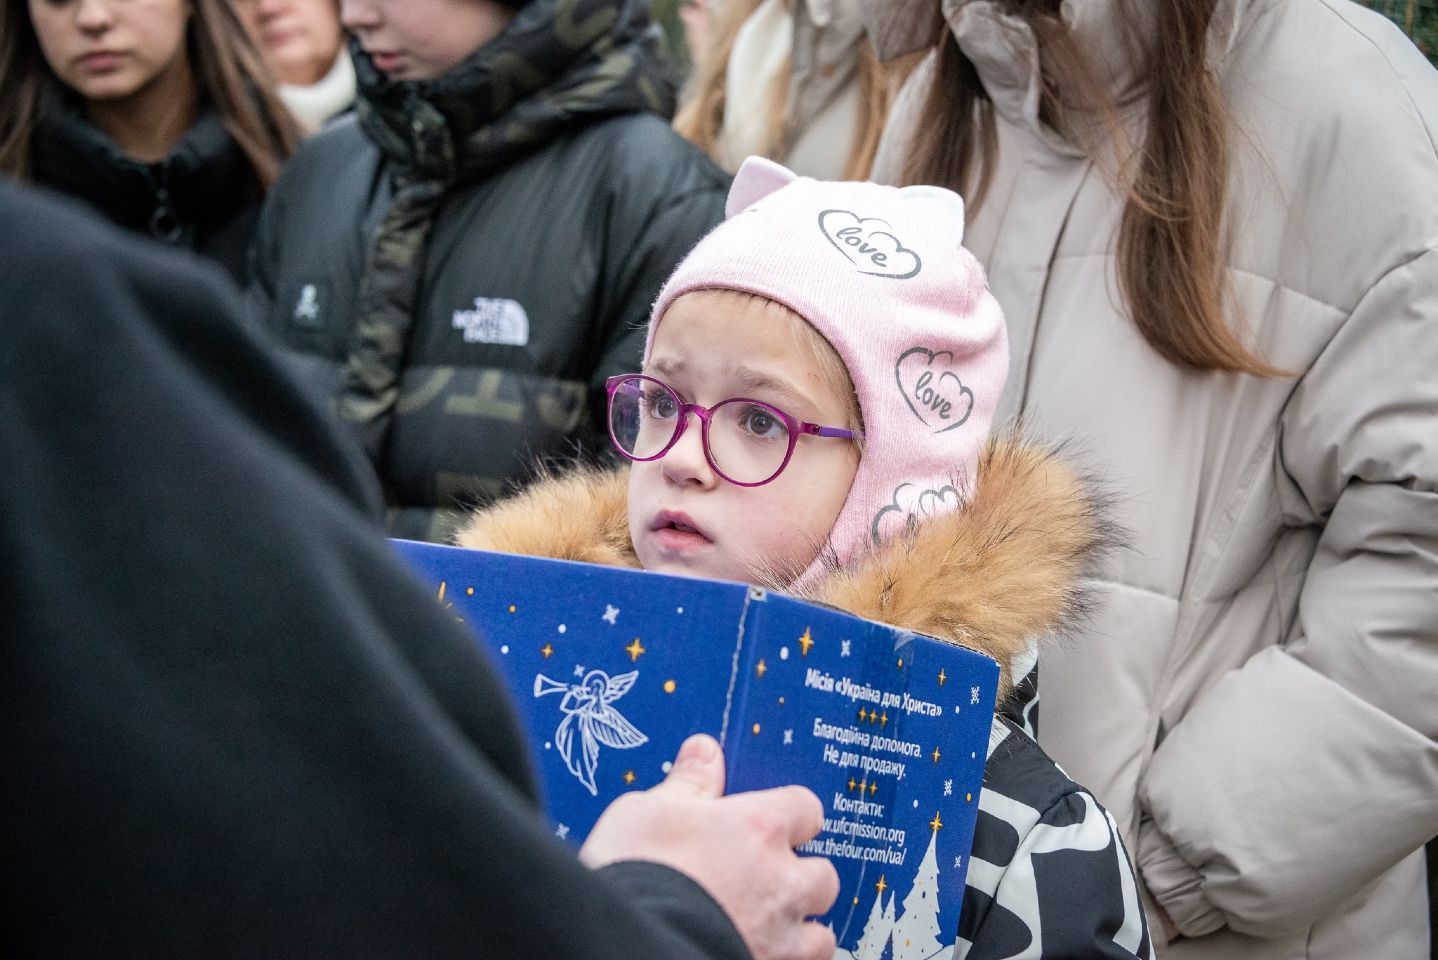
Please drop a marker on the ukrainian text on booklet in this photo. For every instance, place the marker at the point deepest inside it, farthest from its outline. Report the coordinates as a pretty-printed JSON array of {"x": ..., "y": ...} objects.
[{"x": 611, "y": 669}]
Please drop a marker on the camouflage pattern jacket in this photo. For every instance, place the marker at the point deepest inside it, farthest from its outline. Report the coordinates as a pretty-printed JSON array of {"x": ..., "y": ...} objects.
[{"x": 461, "y": 264}]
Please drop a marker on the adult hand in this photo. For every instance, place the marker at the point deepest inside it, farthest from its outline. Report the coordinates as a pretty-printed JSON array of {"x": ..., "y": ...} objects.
[{"x": 738, "y": 848}]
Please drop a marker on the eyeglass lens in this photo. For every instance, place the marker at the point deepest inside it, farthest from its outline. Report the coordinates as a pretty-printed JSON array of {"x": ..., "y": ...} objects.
[{"x": 747, "y": 440}]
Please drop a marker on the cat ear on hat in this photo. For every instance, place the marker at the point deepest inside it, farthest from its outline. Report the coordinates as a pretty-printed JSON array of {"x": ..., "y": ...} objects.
[
  {"x": 944, "y": 207},
  {"x": 756, "y": 179}
]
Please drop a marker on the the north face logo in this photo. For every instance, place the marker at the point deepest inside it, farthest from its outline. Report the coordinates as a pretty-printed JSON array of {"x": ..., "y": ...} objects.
[
  {"x": 869, "y": 244},
  {"x": 307, "y": 307},
  {"x": 494, "y": 320}
]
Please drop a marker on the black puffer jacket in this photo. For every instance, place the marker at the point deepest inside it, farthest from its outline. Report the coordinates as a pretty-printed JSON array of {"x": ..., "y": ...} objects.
[
  {"x": 203, "y": 197},
  {"x": 464, "y": 349}
]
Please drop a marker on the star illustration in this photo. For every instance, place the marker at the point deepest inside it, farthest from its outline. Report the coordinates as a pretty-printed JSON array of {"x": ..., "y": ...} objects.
[
  {"x": 806, "y": 641},
  {"x": 788, "y": 737},
  {"x": 884, "y": 719},
  {"x": 547, "y": 650},
  {"x": 936, "y": 754},
  {"x": 843, "y": 648},
  {"x": 635, "y": 650},
  {"x": 881, "y": 886},
  {"x": 852, "y": 784},
  {"x": 942, "y": 676},
  {"x": 610, "y": 614},
  {"x": 862, "y": 714},
  {"x": 936, "y": 824},
  {"x": 973, "y": 694},
  {"x": 760, "y": 669},
  {"x": 629, "y": 778},
  {"x": 562, "y": 832},
  {"x": 873, "y": 788}
]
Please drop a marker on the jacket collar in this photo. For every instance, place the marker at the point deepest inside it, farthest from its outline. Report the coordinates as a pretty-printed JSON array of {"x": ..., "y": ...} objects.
[
  {"x": 558, "y": 64},
  {"x": 1005, "y": 53},
  {"x": 997, "y": 576},
  {"x": 205, "y": 178}
]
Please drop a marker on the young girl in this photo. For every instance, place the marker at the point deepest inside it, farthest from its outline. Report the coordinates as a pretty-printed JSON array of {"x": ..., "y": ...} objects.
[
  {"x": 1213, "y": 226},
  {"x": 819, "y": 380},
  {"x": 157, "y": 112}
]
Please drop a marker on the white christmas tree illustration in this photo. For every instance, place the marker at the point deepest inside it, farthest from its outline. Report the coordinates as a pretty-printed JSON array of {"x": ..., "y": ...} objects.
[
  {"x": 877, "y": 930},
  {"x": 916, "y": 934}
]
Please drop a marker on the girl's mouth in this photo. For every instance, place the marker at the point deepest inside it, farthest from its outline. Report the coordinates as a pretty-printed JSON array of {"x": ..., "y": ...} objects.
[
  {"x": 99, "y": 61},
  {"x": 386, "y": 62},
  {"x": 677, "y": 533}
]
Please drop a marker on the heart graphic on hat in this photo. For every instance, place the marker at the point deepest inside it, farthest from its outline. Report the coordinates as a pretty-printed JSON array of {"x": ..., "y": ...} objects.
[
  {"x": 869, "y": 244},
  {"x": 911, "y": 506},
  {"x": 935, "y": 395}
]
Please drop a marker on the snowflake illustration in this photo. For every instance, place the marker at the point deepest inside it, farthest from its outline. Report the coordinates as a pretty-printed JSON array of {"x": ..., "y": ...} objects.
[
  {"x": 611, "y": 613},
  {"x": 973, "y": 694},
  {"x": 948, "y": 788}
]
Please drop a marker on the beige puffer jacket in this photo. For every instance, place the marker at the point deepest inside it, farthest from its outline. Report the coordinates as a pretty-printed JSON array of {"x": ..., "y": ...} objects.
[{"x": 1257, "y": 702}]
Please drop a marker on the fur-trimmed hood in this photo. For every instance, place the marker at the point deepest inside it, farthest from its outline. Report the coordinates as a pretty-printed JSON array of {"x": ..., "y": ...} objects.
[{"x": 999, "y": 575}]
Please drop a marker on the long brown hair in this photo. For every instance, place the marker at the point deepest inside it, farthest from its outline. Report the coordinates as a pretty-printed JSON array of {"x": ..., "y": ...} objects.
[
  {"x": 232, "y": 75},
  {"x": 702, "y": 114},
  {"x": 1171, "y": 246}
]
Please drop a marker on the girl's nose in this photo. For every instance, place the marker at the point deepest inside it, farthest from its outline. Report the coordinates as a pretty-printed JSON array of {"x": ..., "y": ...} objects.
[
  {"x": 94, "y": 16},
  {"x": 685, "y": 463}
]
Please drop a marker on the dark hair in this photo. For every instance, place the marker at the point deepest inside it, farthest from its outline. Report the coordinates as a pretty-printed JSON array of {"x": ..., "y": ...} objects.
[
  {"x": 227, "y": 64},
  {"x": 1170, "y": 243}
]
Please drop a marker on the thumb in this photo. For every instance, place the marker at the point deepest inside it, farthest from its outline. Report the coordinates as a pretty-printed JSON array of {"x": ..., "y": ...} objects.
[{"x": 699, "y": 767}]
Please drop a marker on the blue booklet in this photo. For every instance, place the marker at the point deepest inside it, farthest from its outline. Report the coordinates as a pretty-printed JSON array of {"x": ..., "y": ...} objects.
[{"x": 611, "y": 669}]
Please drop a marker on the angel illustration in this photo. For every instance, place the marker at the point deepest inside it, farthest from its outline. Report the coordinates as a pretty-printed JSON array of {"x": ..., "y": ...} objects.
[{"x": 588, "y": 705}]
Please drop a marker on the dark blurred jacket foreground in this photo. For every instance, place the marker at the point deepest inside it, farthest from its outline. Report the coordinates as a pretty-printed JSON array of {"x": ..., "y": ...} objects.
[{"x": 271, "y": 742}]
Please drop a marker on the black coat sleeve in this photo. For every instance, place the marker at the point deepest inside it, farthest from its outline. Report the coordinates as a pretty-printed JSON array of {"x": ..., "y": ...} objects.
[{"x": 235, "y": 724}]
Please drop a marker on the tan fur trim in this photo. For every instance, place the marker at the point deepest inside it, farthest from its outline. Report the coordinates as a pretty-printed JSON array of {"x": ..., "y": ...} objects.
[
  {"x": 1003, "y": 572},
  {"x": 582, "y": 515},
  {"x": 995, "y": 576}
]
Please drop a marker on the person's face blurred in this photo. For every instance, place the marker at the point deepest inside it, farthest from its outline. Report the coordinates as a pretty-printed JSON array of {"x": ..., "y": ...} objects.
[
  {"x": 111, "y": 49},
  {"x": 422, "y": 39},
  {"x": 300, "y": 38}
]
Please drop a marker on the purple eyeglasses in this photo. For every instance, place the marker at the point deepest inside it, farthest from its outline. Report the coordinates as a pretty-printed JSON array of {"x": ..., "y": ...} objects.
[{"x": 747, "y": 442}]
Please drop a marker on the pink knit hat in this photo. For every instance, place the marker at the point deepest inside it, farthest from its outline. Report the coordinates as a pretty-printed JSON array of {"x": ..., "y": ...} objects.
[{"x": 880, "y": 273}]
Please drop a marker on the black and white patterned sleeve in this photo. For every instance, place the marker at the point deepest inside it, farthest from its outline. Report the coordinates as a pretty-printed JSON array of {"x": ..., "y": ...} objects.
[{"x": 1049, "y": 878}]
